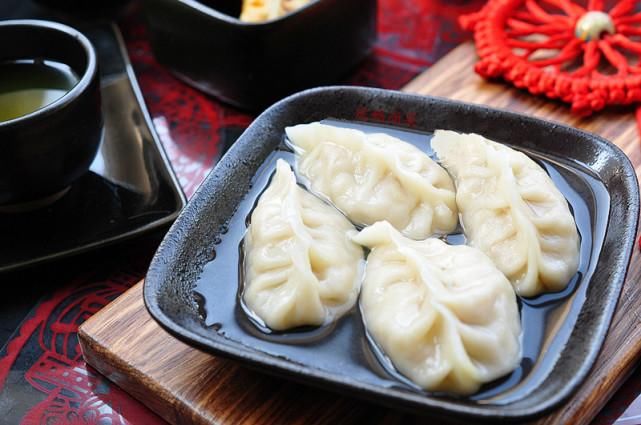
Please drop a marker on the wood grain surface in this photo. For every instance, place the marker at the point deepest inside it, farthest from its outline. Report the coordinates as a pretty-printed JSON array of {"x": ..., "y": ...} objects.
[{"x": 184, "y": 385}]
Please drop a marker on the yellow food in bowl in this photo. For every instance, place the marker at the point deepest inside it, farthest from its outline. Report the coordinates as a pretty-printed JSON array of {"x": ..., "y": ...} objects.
[{"x": 264, "y": 10}]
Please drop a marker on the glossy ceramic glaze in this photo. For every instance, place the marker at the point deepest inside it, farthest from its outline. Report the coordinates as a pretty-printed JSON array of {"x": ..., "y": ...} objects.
[
  {"x": 204, "y": 225},
  {"x": 45, "y": 151},
  {"x": 253, "y": 65}
]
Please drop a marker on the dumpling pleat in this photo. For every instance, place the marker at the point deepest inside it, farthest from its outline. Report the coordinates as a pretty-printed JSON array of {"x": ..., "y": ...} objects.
[
  {"x": 372, "y": 177},
  {"x": 301, "y": 268},
  {"x": 512, "y": 211},
  {"x": 445, "y": 315}
]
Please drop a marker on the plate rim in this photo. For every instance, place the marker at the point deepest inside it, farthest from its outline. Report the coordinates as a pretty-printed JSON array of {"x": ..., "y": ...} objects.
[{"x": 415, "y": 402}]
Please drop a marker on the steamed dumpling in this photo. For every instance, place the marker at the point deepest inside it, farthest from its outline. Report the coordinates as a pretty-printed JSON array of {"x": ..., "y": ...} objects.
[
  {"x": 512, "y": 211},
  {"x": 301, "y": 268},
  {"x": 372, "y": 177},
  {"x": 445, "y": 315}
]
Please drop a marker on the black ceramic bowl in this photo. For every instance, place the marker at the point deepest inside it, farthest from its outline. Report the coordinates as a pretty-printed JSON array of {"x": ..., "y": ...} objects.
[
  {"x": 45, "y": 151},
  {"x": 562, "y": 332},
  {"x": 251, "y": 65}
]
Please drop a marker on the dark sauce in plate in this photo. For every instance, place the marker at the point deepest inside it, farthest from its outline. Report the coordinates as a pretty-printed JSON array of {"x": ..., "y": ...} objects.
[{"x": 344, "y": 348}]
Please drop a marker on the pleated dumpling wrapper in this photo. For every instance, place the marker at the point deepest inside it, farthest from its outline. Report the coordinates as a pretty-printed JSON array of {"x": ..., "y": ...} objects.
[
  {"x": 301, "y": 267},
  {"x": 445, "y": 315},
  {"x": 512, "y": 211},
  {"x": 373, "y": 177}
]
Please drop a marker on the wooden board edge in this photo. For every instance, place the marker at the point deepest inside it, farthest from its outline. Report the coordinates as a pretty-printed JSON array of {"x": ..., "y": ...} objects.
[
  {"x": 116, "y": 370},
  {"x": 582, "y": 408}
]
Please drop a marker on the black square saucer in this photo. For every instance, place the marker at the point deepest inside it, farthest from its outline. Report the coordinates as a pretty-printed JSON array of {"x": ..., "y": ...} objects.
[{"x": 130, "y": 188}]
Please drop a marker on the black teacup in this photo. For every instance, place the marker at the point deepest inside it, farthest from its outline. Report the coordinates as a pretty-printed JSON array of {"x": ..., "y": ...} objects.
[{"x": 45, "y": 150}]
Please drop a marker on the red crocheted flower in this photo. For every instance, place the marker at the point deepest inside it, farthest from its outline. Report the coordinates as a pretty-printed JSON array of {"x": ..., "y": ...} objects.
[{"x": 586, "y": 54}]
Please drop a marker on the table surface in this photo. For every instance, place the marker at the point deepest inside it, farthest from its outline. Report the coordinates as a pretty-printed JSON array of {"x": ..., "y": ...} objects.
[{"x": 42, "y": 376}]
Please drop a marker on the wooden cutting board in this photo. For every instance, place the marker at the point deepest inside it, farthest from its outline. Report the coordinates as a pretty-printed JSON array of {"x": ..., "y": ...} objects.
[{"x": 184, "y": 385}]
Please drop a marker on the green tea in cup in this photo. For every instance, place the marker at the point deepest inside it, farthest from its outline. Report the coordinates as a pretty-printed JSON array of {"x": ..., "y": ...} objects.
[{"x": 29, "y": 85}]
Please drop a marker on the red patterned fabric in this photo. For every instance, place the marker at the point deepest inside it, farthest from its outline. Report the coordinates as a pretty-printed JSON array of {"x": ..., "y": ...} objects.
[
  {"x": 43, "y": 379},
  {"x": 536, "y": 45}
]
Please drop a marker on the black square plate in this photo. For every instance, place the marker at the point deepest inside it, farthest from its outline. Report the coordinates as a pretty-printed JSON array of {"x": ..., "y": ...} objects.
[
  {"x": 562, "y": 332},
  {"x": 130, "y": 188}
]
